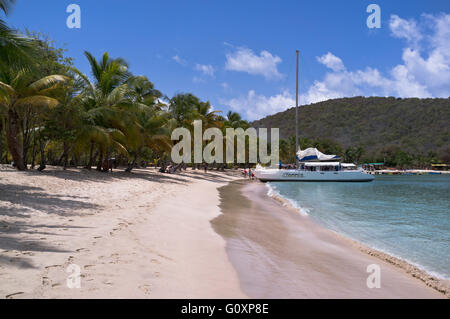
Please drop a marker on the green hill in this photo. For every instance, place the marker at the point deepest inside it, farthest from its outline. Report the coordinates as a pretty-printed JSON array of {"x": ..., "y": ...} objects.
[{"x": 381, "y": 126}]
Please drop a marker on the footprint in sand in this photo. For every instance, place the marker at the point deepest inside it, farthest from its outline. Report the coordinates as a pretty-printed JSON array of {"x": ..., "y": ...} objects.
[
  {"x": 28, "y": 253},
  {"x": 52, "y": 266},
  {"x": 123, "y": 225},
  {"x": 146, "y": 289},
  {"x": 45, "y": 281},
  {"x": 10, "y": 296},
  {"x": 165, "y": 257}
]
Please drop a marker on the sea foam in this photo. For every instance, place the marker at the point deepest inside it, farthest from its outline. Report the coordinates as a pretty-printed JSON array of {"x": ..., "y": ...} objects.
[{"x": 273, "y": 193}]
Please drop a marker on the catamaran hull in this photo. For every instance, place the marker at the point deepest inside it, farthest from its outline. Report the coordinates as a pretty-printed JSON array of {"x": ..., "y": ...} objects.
[{"x": 276, "y": 175}]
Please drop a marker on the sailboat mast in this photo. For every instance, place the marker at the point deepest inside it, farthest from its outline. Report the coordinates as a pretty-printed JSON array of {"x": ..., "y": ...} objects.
[{"x": 296, "y": 113}]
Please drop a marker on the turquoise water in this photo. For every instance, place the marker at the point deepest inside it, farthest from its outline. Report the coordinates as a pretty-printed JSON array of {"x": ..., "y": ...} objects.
[{"x": 405, "y": 216}]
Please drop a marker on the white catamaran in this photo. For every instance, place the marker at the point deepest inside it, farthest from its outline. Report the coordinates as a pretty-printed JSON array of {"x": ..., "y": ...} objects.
[{"x": 312, "y": 165}]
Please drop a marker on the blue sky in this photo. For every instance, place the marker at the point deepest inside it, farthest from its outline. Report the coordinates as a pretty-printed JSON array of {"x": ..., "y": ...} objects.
[{"x": 240, "y": 55}]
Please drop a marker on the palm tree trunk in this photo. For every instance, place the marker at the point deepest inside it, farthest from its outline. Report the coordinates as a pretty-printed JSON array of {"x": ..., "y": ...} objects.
[
  {"x": 42, "y": 151},
  {"x": 65, "y": 156},
  {"x": 33, "y": 157},
  {"x": 1, "y": 146},
  {"x": 91, "y": 159},
  {"x": 106, "y": 162},
  {"x": 14, "y": 144},
  {"x": 100, "y": 161},
  {"x": 131, "y": 166}
]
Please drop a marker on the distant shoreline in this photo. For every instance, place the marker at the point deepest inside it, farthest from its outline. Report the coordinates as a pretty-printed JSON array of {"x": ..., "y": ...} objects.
[{"x": 409, "y": 171}]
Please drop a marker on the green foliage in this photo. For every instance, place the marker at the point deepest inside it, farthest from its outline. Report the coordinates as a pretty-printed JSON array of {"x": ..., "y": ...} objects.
[
  {"x": 410, "y": 126},
  {"x": 49, "y": 109}
]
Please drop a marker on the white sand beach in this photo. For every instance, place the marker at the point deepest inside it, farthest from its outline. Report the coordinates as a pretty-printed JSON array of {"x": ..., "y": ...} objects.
[
  {"x": 153, "y": 235},
  {"x": 139, "y": 235}
]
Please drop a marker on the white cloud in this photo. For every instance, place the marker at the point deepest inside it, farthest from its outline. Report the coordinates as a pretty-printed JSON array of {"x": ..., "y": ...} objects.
[
  {"x": 225, "y": 85},
  {"x": 441, "y": 27},
  {"x": 424, "y": 71},
  {"x": 331, "y": 61},
  {"x": 407, "y": 29},
  {"x": 205, "y": 69},
  {"x": 254, "y": 106},
  {"x": 179, "y": 60},
  {"x": 245, "y": 60}
]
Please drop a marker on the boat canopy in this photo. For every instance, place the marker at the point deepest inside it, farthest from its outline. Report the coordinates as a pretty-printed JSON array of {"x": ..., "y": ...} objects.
[
  {"x": 348, "y": 165},
  {"x": 313, "y": 154},
  {"x": 315, "y": 164}
]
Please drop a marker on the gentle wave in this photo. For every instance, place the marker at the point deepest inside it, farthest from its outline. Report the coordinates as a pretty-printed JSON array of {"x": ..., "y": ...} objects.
[
  {"x": 433, "y": 279},
  {"x": 275, "y": 193}
]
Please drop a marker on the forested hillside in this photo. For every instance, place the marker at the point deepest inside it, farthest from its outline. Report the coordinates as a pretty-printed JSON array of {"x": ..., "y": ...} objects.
[{"x": 401, "y": 131}]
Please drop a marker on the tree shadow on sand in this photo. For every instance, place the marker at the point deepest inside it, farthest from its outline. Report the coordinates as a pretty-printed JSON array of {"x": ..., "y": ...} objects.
[
  {"x": 148, "y": 174},
  {"x": 21, "y": 248},
  {"x": 18, "y": 262},
  {"x": 35, "y": 198},
  {"x": 81, "y": 174},
  {"x": 15, "y": 243}
]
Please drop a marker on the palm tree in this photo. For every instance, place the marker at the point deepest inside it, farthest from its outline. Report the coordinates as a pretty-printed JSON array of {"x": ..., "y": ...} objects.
[
  {"x": 182, "y": 108},
  {"x": 234, "y": 120},
  {"x": 144, "y": 91},
  {"x": 147, "y": 129},
  {"x": 209, "y": 118},
  {"x": 3, "y": 117},
  {"x": 18, "y": 90},
  {"x": 102, "y": 100},
  {"x": 145, "y": 122},
  {"x": 14, "y": 48}
]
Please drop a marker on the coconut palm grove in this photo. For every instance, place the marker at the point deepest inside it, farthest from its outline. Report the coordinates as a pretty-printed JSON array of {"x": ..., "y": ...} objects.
[{"x": 51, "y": 113}]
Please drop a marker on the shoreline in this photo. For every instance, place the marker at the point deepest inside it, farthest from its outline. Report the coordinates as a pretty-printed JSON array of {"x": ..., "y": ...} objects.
[
  {"x": 401, "y": 280},
  {"x": 151, "y": 235},
  {"x": 439, "y": 284}
]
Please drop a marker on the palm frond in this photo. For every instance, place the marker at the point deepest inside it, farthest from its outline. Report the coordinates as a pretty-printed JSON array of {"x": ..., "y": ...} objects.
[
  {"x": 36, "y": 101},
  {"x": 48, "y": 81}
]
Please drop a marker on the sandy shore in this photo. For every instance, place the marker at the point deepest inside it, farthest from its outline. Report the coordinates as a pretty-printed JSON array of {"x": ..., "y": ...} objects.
[
  {"x": 189, "y": 235},
  {"x": 279, "y": 253},
  {"x": 139, "y": 235}
]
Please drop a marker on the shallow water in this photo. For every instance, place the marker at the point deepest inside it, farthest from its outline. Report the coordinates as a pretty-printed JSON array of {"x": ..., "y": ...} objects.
[{"x": 405, "y": 216}]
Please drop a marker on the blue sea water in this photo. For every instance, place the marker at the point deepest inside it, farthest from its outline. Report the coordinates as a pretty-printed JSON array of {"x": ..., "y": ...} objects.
[{"x": 405, "y": 216}]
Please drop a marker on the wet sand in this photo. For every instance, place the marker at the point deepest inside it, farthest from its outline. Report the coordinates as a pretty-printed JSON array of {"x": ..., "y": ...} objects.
[{"x": 278, "y": 253}]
